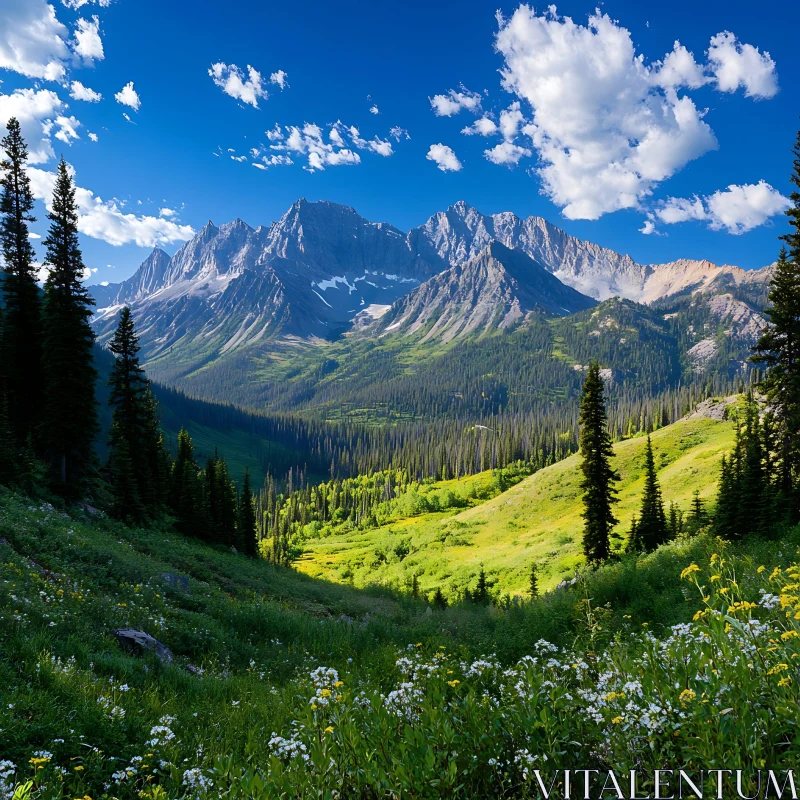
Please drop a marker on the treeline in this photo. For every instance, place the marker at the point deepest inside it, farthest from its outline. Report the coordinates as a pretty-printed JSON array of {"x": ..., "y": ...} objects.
[
  {"x": 302, "y": 511},
  {"x": 48, "y": 404}
]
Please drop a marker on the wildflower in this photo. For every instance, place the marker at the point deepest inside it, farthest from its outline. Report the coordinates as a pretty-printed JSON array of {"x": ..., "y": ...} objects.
[
  {"x": 686, "y": 696},
  {"x": 453, "y": 682},
  {"x": 616, "y": 720},
  {"x": 195, "y": 779},
  {"x": 785, "y": 681},
  {"x": 789, "y": 634},
  {"x": 689, "y": 570},
  {"x": 329, "y": 729}
]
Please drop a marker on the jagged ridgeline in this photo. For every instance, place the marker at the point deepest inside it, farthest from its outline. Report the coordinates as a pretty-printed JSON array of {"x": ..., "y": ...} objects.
[{"x": 348, "y": 347}]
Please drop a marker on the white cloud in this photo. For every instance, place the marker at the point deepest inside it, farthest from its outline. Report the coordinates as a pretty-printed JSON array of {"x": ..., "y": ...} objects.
[
  {"x": 397, "y": 133},
  {"x": 444, "y": 158},
  {"x": 77, "y": 91},
  {"x": 483, "y": 126},
  {"x": 36, "y": 110},
  {"x": 735, "y": 64},
  {"x": 167, "y": 212},
  {"x": 374, "y": 110},
  {"x": 648, "y": 227},
  {"x": 128, "y": 96},
  {"x": 446, "y": 105},
  {"x": 276, "y": 134},
  {"x": 321, "y": 149},
  {"x": 239, "y": 158},
  {"x": 506, "y": 153},
  {"x": 232, "y": 81},
  {"x": 382, "y": 147},
  {"x": 88, "y": 44},
  {"x": 258, "y": 166},
  {"x": 66, "y": 129},
  {"x": 607, "y": 126},
  {"x": 76, "y": 4},
  {"x": 105, "y": 221},
  {"x": 280, "y": 78},
  {"x": 309, "y": 141},
  {"x": 92, "y": 136},
  {"x": 128, "y": 118},
  {"x": 32, "y": 40},
  {"x": 737, "y": 209}
]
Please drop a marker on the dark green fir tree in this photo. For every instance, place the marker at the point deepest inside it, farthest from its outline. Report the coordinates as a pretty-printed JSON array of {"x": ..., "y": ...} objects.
[
  {"x": 21, "y": 335},
  {"x": 246, "y": 520},
  {"x": 69, "y": 417},
  {"x": 651, "y": 528},
  {"x": 187, "y": 501},
  {"x": 599, "y": 477},
  {"x": 533, "y": 582}
]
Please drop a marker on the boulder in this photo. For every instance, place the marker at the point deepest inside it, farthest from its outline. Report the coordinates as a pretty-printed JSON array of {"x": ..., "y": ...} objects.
[{"x": 134, "y": 642}]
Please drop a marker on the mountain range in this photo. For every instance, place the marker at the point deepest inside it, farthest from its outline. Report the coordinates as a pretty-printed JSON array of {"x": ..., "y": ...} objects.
[{"x": 322, "y": 272}]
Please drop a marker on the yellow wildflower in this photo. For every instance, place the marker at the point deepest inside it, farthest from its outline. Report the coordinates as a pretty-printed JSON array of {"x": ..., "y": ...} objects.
[
  {"x": 616, "y": 720},
  {"x": 329, "y": 729},
  {"x": 689, "y": 570},
  {"x": 686, "y": 696},
  {"x": 789, "y": 634},
  {"x": 454, "y": 682},
  {"x": 785, "y": 681}
]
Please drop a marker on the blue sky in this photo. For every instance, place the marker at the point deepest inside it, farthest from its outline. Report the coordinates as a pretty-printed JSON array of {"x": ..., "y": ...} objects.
[{"x": 582, "y": 116}]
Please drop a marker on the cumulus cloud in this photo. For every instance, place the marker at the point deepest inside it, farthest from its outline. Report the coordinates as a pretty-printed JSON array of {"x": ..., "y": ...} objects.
[
  {"x": 279, "y": 78},
  {"x": 76, "y": 4},
  {"x": 66, "y": 129},
  {"x": 374, "y": 110},
  {"x": 92, "y": 136},
  {"x": 483, "y": 126},
  {"x": 321, "y": 148},
  {"x": 233, "y": 82},
  {"x": 106, "y": 221},
  {"x": 397, "y": 133},
  {"x": 310, "y": 141},
  {"x": 506, "y": 153},
  {"x": 444, "y": 158},
  {"x": 737, "y": 209},
  {"x": 607, "y": 126},
  {"x": 32, "y": 40},
  {"x": 77, "y": 91},
  {"x": 741, "y": 65},
  {"x": 128, "y": 96},
  {"x": 87, "y": 44},
  {"x": 36, "y": 110},
  {"x": 446, "y": 105}
]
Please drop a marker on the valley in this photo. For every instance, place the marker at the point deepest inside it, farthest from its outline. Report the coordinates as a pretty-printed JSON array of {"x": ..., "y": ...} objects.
[{"x": 538, "y": 521}]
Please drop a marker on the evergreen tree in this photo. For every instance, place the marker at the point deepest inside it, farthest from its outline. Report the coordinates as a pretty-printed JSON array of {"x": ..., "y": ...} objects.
[
  {"x": 481, "y": 594},
  {"x": 726, "y": 514},
  {"x": 752, "y": 485},
  {"x": 698, "y": 516},
  {"x": 246, "y": 520},
  {"x": 439, "y": 600},
  {"x": 186, "y": 498},
  {"x": 220, "y": 502},
  {"x": 599, "y": 493},
  {"x": 135, "y": 418},
  {"x": 675, "y": 521},
  {"x": 533, "y": 584},
  {"x": 21, "y": 336},
  {"x": 778, "y": 349},
  {"x": 651, "y": 528},
  {"x": 126, "y": 502},
  {"x": 70, "y": 409}
]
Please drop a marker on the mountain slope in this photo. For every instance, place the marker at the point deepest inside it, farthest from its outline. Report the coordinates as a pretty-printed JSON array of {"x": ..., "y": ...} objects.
[
  {"x": 496, "y": 289},
  {"x": 536, "y": 521}
]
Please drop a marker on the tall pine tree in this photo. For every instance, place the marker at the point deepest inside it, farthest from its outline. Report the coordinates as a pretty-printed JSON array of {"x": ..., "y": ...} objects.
[
  {"x": 135, "y": 420},
  {"x": 186, "y": 499},
  {"x": 651, "y": 528},
  {"x": 599, "y": 477},
  {"x": 69, "y": 420},
  {"x": 21, "y": 335},
  {"x": 246, "y": 520}
]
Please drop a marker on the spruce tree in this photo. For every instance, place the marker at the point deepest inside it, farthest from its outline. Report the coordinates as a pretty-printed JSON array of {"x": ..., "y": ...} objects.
[
  {"x": 69, "y": 420},
  {"x": 8, "y": 447},
  {"x": 778, "y": 349},
  {"x": 533, "y": 582},
  {"x": 246, "y": 520},
  {"x": 21, "y": 335},
  {"x": 186, "y": 499},
  {"x": 651, "y": 528},
  {"x": 726, "y": 513},
  {"x": 126, "y": 502},
  {"x": 596, "y": 452},
  {"x": 135, "y": 417},
  {"x": 439, "y": 600},
  {"x": 698, "y": 516}
]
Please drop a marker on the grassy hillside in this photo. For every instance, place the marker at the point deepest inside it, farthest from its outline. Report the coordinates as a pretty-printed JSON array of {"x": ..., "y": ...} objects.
[
  {"x": 281, "y": 686},
  {"x": 536, "y": 521}
]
